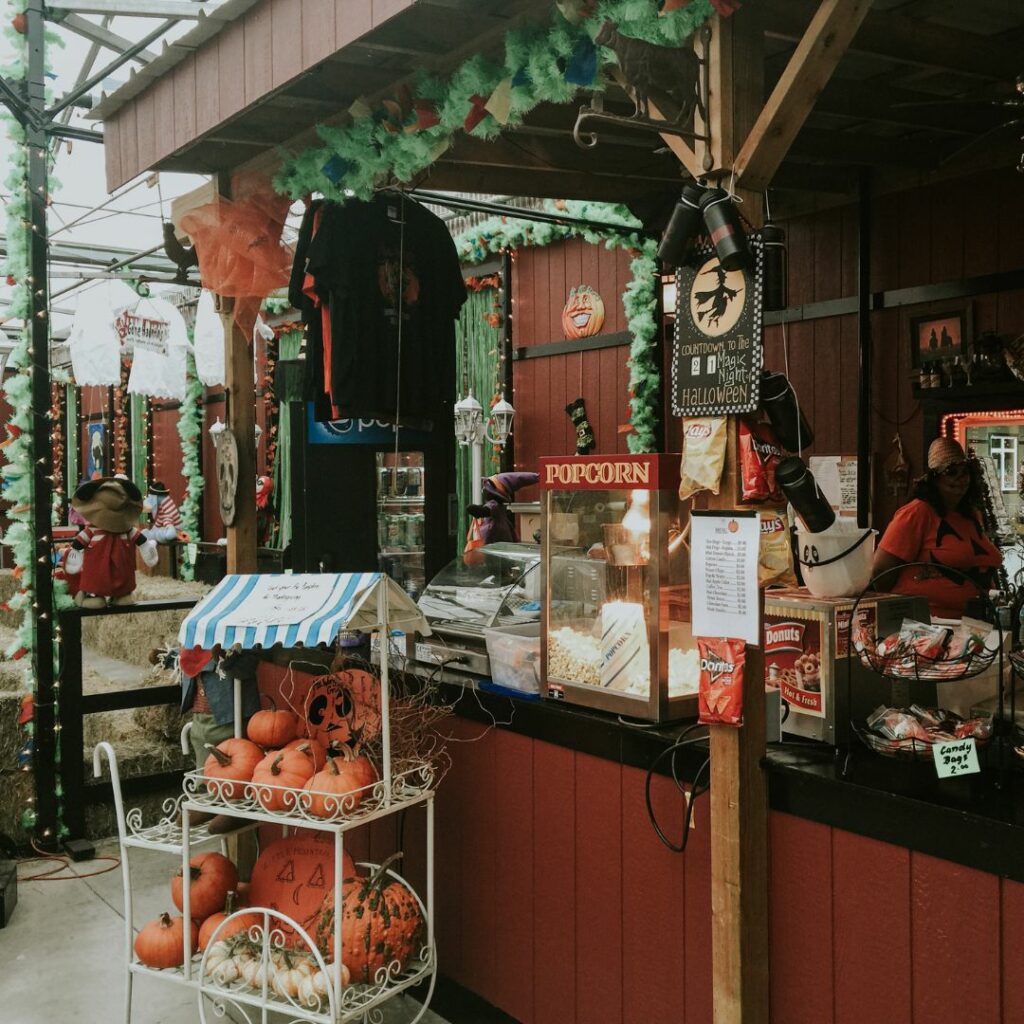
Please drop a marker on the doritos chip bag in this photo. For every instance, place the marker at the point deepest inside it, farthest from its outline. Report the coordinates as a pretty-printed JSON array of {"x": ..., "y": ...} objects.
[
  {"x": 760, "y": 453},
  {"x": 720, "y": 698}
]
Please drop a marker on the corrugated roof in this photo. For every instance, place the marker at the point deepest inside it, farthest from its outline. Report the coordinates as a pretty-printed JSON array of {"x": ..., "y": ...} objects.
[{"x": 207, "y": 26}]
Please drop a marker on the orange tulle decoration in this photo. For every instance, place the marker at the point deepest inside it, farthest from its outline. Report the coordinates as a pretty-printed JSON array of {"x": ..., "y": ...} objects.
[{"x": 238, "y": 242}]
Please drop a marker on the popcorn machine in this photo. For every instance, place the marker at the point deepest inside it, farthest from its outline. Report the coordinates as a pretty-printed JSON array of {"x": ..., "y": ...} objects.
[{"x": 615, "y": 575}]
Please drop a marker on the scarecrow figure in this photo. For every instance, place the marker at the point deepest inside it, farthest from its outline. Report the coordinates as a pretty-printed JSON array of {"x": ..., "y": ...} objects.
[
  {"x": 166, "y": 518},
  {"x": 102, "y": 555}
]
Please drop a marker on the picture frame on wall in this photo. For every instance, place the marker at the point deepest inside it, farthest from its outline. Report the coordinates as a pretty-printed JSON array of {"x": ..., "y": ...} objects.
[{"x": 940, "y": 336}]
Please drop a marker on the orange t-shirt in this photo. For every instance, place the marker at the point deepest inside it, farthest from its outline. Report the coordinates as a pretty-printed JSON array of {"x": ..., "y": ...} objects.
[{"x": 918, "y": 533}]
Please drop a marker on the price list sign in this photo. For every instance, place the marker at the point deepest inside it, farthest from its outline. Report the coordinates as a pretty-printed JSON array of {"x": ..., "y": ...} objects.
[
  {"x": 955, "y": 758},
  {"x": 723, "y": 575}
]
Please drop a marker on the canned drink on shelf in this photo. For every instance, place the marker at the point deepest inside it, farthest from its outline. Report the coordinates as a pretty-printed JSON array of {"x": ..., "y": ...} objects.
[
  {"x": 395, "y": 529},
  {"x": 414, "y": 530}
]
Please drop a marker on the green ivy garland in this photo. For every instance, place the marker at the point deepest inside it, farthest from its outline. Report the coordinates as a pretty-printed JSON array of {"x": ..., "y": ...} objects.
[
  {"x": 482, "y": 97},
  {"x": 639, "y": 300},
  {"x": 190, "y": 425}
]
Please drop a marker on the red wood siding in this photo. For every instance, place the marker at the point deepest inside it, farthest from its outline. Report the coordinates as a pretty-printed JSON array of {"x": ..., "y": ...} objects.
[
  {"x": 556, "y": 902},
  {"x": 543, "y": 387}
]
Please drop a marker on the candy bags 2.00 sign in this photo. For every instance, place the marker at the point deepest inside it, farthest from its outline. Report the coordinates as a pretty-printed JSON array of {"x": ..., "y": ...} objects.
[{"x": 717, "y": 354}]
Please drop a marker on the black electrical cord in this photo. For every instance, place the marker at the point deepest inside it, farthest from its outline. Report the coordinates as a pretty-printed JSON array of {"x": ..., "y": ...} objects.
[{"x": 696, "y": 788}]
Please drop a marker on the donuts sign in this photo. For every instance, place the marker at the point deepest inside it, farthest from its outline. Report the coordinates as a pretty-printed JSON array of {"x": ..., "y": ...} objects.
[{"x": 792, "y": 657}]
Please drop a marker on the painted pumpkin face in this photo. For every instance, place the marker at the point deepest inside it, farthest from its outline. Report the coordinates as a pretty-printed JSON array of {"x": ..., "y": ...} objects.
[
  {"x": 583, "y": 315},
  {"x": 343, "y": 707}
]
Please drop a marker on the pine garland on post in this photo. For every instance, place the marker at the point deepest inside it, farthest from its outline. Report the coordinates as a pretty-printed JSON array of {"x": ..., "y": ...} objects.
[{"x": 190, "y": 425}]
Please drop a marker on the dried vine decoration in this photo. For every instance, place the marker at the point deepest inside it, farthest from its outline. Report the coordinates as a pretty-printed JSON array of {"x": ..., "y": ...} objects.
[
  {"x": 119, "y": 422},
  {"x": 58, "y": 441}
]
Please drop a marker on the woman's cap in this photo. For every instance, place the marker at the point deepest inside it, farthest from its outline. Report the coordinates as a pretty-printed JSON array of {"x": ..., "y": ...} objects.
[{"x": 943, "y": 452}]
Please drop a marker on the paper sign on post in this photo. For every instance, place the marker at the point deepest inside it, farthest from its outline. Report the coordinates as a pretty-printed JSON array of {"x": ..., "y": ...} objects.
[
  {"x": 955, "y": 758},
  {"x": 723, "y": 575}
]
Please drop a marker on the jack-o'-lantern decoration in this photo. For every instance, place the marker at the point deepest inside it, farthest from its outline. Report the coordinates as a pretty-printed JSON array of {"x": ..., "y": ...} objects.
[
  {"x": 343, "y": 707},
  {"x": 583, "y": 315}
]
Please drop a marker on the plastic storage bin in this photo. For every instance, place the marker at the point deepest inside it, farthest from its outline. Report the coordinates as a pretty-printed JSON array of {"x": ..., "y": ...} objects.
[{"x": 514, "y": 653}]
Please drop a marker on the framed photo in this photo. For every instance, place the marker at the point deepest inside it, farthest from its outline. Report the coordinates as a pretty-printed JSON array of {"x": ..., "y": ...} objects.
[{"x": 936, "y": 337}]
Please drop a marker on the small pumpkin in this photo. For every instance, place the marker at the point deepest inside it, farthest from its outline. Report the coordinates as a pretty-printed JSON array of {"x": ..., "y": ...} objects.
[
  {"x": 272, "y": 728},
  {"x": 381, "y": 923},
  {"x": 160, "y": 943},
  {"x": 238, "y": 925},
  {"x": 289, "y": 977},
  {"x": 230, "y": 765},
  {"x": 335, "y": 790},
  {"x": 313, "y": 989},
  {"x": 212, "y": 877},
  {"x": 278, "y": 771},
  {"x": 314, "y": 748}
]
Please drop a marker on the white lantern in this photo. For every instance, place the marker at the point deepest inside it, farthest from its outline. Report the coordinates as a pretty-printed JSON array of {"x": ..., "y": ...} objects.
[
  {"x": 215, "y": 431},
  {"x": 502, "y": 414},
  {"x": 469, "y": 420}
]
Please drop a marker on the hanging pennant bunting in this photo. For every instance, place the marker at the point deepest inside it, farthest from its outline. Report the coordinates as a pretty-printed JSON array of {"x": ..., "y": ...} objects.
[
  {"x": 582, "y": 67},
  {"x": 477, "y": 112},
  {"x": 426, "y": 116},
  {"x": 360, "y": 109},
  {"x": 335, "y": 169},
  {"x": 725, "y": 7},
  {"x": 499, "y": 106},
  {"x": 520, "y": 78}
]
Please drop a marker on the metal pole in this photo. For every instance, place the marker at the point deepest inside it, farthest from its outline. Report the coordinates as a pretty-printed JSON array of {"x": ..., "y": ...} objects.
[
  {"x": 45, "y": 754},
  {"x": 864, "y": 348}
]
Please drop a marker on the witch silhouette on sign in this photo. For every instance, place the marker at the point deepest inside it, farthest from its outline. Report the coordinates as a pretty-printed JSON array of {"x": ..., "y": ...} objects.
[{"x": 713, "y": 304}]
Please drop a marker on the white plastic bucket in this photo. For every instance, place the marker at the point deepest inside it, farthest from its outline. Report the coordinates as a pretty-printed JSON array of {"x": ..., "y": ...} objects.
[{"x": 837, "y": 561}]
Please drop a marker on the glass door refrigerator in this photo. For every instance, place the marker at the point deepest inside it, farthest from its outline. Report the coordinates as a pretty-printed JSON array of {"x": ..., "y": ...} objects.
[{"x": 401, "y": 486}]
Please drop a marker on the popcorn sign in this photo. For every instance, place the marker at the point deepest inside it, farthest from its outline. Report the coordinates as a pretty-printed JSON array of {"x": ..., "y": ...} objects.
[{"x": 140, "y": 333}]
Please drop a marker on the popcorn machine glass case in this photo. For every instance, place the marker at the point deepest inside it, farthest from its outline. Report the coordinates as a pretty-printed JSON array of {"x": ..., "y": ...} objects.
[{"x": 616, "y": 583}]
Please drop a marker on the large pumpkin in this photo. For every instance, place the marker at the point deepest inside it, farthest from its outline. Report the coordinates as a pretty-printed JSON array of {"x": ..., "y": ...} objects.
[
  {"x": 583, "y": 315},
  {"x": 160, "y": 943},
  {"x": 381, "y": 924},
  {"x": 343, "y": 707},
  {"x": 314, "y": 748},
  {"x": 241, "y": 923},
  {"x": 293, "y": 876},
  {"x": 212, "y": 877},
  {"x": 279, "y": 771},
  {"x": 273, "y": 729},
  {"x": 340, "y": 786}
]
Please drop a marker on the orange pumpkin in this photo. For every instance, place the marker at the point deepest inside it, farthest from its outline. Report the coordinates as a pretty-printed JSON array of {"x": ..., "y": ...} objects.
[
  {"x": 293, "y": 876},
  {"x": 160, "y": 943},
  {"x": 314, "y": 748},
  {"x": 242, "y": 923},
  {"x": 290, "y": 769},
  {"x": 212, "y": 876},
  {"x": 273, "y": 729},
  {"x": 583, "y": 315},
  {"x": 232, "y": 762},
  {"x": 335, "y": 790}
]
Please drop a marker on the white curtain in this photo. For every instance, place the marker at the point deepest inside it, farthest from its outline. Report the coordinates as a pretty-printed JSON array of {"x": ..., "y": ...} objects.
[
  {"x": 209, "y": 342},
  {"x": 94, "y": 341}
]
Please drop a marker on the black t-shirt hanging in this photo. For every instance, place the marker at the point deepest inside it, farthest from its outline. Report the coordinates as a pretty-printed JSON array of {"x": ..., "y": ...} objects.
[{"x": 378, "y": 275}]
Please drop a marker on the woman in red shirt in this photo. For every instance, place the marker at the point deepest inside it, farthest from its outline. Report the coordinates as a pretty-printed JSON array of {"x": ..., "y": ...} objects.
[{"x": 940, "y": 526}]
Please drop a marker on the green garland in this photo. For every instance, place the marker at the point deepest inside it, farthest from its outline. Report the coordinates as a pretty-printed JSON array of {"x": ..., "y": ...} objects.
[
  {"x": 190, "y": 425},
  {"x": 482, "y": 97},
  {"x": 640, "y": 300}
]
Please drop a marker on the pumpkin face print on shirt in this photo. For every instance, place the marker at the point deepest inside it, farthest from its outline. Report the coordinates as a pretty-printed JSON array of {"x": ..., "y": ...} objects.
[{"x": 396, "y": 270}]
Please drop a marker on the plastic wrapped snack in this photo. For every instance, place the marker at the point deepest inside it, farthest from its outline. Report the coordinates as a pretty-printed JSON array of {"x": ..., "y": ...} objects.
[
  {"x": 759, "y": 455},
  {"x": 720, "y": 698},
  {"x": 704, "y": 442},
  {"x": 775, "y": 555}
]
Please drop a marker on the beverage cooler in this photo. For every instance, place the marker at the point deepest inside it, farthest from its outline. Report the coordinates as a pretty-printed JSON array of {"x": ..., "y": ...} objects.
[
  {"x": 401, "y": 518},
  {"x": 615, "y": 575}
]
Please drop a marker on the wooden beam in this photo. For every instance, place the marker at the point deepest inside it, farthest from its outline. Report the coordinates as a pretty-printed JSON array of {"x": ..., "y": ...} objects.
[
  {"x": 910, "y": 41},
  {"x": 828, "y": 35}
]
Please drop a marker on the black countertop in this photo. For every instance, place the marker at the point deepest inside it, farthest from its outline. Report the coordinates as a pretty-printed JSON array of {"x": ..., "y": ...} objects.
[{"x": 975, "y": 820}]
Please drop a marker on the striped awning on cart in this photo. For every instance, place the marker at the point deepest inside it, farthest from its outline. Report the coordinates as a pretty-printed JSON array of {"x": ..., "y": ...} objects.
[{"x": 296, "y": 610}]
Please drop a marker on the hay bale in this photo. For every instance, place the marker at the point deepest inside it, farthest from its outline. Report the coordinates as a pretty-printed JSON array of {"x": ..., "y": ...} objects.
[{"x": 8, "y": 588}]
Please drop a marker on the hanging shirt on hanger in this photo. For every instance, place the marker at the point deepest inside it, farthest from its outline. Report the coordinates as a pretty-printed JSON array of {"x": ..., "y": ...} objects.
[{"x": 392, "y": 291}]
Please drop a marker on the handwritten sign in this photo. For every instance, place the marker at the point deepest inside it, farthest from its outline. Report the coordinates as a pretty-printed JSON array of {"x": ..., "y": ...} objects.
[
  {"x": 956, "y": 758},
  {"x": 717, "y": 355},
  {"x": 723, "y": 575},
  {"x": 140, "y": 333},
  {"x": 282, "y": 600},
  {"x": 836, "y": 476}
]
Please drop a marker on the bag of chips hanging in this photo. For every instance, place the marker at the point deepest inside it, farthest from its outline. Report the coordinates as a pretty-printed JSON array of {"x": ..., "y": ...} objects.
[
  {"x": 775, "y": 555},
  {"x": 704, "y": 441},
  {"x": 720, "y": 697},
  {"x": 760, "y": 453}
]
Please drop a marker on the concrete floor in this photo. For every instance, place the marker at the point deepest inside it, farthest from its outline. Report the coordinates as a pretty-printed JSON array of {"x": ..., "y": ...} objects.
[{"x": 62, "y": 955}]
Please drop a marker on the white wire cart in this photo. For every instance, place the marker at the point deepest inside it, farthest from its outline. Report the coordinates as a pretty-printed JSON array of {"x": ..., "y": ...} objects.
[{"x": 283, "y": 975}]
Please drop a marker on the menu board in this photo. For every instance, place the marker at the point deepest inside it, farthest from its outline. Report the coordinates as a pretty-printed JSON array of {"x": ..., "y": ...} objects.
[
  {"x": 717, "y": 352},
  {"x": 724, "y": 548}
]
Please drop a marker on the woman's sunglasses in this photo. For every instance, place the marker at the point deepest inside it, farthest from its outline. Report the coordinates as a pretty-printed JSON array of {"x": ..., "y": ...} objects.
[{"x": 955, "y": 471}]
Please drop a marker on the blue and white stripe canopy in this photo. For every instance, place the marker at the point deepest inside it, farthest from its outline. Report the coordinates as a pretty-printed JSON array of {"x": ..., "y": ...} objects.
[{"x": 295, "y": 610}]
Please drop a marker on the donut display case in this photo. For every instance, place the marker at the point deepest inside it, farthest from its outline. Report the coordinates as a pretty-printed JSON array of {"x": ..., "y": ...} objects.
[{"x": 615, "y": 574}]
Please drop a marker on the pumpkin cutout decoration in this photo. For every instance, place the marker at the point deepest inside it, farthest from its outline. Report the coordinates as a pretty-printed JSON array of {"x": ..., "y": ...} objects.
[
  {"x": 272, "y": 729},
  {"x": 340, "y": 787},
  {"x": 381, "y": 924},
  {"x": 583, "y": 315},
  {"x": 294, "y": 875},
  {"x": 278, "y": 772},
  {"x": 343, "y": 707},
  {"x": 241, "y": 923},
  {"x": 211, "y": 877},
  {"x": 160, "y": 943},
  {"x": 231, "y": 763}
]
